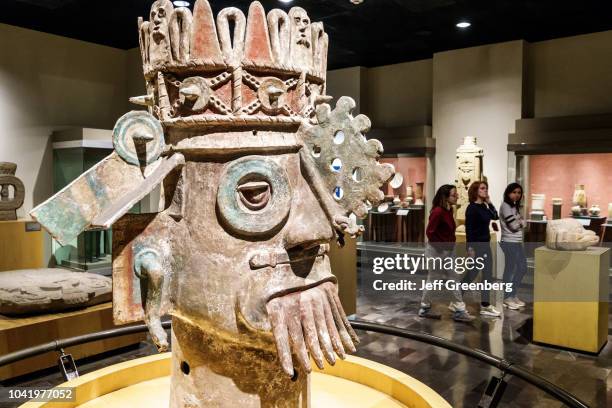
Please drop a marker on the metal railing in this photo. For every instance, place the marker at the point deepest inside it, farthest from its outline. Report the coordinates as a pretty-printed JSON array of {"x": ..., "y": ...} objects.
[{"x": 505, "y": 366}]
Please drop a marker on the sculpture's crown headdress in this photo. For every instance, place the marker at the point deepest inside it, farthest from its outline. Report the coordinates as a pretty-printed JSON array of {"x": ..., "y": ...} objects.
[{"x": 236, "y": 70}]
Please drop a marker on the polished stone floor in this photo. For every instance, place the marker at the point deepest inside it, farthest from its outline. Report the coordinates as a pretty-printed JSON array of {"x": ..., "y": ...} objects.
[{"x": 460, "y": 380}]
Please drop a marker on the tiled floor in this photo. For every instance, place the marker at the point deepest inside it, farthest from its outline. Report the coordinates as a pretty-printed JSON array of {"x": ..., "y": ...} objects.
[{"x": 460, "y": 380}]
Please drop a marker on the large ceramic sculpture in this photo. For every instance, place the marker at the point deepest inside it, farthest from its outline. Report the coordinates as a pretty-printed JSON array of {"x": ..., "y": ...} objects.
[
  {"x": 568, "y": 234},
  {"x": 469, "y": 170},
  {"x": 10, "y": 205},
  {"x": 50, "y": 290},
  {"x": 258, "y": 175}
]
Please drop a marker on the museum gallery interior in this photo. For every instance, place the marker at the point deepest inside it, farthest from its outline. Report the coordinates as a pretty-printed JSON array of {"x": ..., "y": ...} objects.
[{"x": 301, "y": 203}]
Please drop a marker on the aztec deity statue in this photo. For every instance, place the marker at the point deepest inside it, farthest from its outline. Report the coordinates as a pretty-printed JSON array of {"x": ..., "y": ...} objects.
[
  {"x": 258, "y": 175},
  {"x": 468, "y": 170}
]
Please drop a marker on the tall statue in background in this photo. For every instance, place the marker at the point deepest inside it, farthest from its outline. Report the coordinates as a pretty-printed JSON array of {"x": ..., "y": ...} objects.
[
  {"x": 240, "y": 137},
  {"x": 469, "y": 169}
]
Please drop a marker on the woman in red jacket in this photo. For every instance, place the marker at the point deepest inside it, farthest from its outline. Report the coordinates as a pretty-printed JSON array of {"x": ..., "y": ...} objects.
[{"x": 441, "y": 235}]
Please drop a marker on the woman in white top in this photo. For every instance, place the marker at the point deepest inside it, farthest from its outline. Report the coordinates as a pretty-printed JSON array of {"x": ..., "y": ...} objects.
[{"x": 512, "y": 226}]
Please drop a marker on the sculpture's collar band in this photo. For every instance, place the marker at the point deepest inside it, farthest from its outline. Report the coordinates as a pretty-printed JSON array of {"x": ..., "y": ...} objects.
[{"x": 263, "y": 259}]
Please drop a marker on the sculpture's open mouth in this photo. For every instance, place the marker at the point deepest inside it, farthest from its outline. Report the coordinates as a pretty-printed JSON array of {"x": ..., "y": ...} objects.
[{"x": 310, "y": 322}]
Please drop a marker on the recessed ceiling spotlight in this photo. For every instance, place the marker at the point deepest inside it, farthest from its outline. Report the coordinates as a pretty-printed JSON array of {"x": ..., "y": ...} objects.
[
  {"x": 181, "y": 3},
  {"x": 356, "y": 1},
  {"x": 464, "y": 24},
  {"x": 285, "y": 1}
]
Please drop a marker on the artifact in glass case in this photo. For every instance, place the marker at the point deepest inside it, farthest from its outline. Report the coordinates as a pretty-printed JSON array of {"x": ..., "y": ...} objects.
[
  {"x": 409, "y": 194},
  {"x": 579, "y": 198},
  {"x": 469, "y": 169},
  {"x": 594, "y": 211},
  {"x": 576, "y": 210},
  {"x": 609, "y": 212},
  {"x": 396, "y": 181},
  {"x": 568, "y": 234},
  {"x": 418, "y": 194},
  {"x": 51, "y": 290},
  {"x": 537, "y": 207},
  {"x": 10, "y": 203},
  {"x": 396, "y": 201},
  {"x": 557, "y": 204},
  {"x": 259, "y": 174}
]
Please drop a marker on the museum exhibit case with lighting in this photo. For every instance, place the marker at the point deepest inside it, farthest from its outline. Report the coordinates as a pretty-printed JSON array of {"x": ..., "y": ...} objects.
[{"x": 221, "y": 203}]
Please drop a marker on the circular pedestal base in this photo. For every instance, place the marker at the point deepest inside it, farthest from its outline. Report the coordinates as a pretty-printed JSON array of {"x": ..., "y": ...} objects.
[{"x": 354, "y": 382}]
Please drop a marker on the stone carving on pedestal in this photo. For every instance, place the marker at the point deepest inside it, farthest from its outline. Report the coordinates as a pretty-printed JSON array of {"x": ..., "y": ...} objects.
[
  {"x": 418, "y": 194},
  {"x": 259, "y": 174},
  {"x": 50, "y": 290},
  {"x": 469, "y": 169},
  {"x": 579, "y": 198},
  {"x": 10, "y": 204},
  {"x": 537, "y": 206},
  {"x": 569, "y": 235}
]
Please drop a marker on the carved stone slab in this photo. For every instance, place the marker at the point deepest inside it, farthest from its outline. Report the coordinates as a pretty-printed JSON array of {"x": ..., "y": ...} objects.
[{"x": 50, "y": 290}]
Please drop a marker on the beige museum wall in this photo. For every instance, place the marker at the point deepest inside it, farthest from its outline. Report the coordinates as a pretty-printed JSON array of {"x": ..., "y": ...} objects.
[
  {"x": 48, "y": 82},
  {"x": 570, "y": 76},
  {"x": 477, "y": 92}
]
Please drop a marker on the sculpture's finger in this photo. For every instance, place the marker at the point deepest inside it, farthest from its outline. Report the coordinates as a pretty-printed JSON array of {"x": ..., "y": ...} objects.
[
  {"x": 276, "y": 313},
  {"x": 295, "y": 332},
  {"x": 345, "y": 320},
  {"x": 331, "y": 326},
  {"x": 344, "y": 335},
  {"x": 310, "y": 329},
  {"x": 319, "y": 318}
]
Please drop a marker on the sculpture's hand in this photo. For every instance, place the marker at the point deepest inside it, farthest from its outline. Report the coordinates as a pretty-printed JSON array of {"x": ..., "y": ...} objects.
[
  {"x": 312, "y": 321},
  {"x": 151, "y": 270}
]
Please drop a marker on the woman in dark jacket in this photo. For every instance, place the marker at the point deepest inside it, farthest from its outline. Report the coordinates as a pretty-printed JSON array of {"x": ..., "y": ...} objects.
[
  {"x": 478, "y": 216},
  {"x": 441, "y": 244}
]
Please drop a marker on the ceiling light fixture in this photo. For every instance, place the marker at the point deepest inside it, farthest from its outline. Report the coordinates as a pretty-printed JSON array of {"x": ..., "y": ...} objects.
[
  {"x": 464, "y": 24},
  {"x": 356, "y": 1},
  {"x": 285, "y": 1},
  {"x": 181, "y": 3}
]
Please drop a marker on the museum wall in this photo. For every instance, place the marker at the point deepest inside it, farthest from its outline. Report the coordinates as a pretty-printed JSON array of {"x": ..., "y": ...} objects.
[
  {"x": 399, "y": 95},
  {"x": 346, "y": 82},
  {"x": 557, "y": 175},
  {"x": 477, "y": 92},
  {"x": 49, "y": 82},
  {"x": 571, "y": 76}
]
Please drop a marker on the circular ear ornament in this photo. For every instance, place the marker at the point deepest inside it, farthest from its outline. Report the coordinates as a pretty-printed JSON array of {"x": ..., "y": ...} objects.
[
  {"x": 254, "y": 196},
  {"x": 138, "y": 138}
]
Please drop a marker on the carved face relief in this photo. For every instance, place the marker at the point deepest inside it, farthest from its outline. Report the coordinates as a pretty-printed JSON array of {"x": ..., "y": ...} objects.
[
  {"x": 466, "y": 168},
  {"x": 300, "y": 22},
  {"x": 257, "y": 232},
  {"x": 159, "y": 48}
]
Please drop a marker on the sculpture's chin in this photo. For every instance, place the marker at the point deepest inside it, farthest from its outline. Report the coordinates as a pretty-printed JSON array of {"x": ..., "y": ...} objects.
[{"x": 310, "y": 323}]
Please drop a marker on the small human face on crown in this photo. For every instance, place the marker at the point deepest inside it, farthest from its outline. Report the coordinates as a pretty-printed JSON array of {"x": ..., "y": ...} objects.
[
  {"x": 159, "y": 17},
  {"x": 302, "y": 25}
]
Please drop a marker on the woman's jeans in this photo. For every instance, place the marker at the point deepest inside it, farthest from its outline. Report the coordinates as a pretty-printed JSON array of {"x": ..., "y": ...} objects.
[
  {"x": 435, "y": 273},
  {"x": 483, "y": 250},
  {"x": 515, "y": 267}
]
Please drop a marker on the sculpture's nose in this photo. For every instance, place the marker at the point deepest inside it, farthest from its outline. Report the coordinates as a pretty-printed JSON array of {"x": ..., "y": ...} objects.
[{"x": 308, "y": 224}]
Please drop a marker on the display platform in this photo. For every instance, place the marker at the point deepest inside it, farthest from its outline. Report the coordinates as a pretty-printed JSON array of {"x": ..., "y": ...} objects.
[
  {"x": 22, "y": 245},
  {"x": 354, "y": 382},
  {"x": 570, "y": 298},
  {"x": 17, "y": 333}
]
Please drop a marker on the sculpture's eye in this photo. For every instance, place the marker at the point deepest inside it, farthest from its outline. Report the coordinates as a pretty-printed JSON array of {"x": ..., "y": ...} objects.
[{"x": 255, "y": 195}]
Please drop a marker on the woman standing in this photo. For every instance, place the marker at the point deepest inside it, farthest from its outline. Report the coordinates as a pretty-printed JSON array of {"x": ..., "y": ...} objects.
[
  {"x": 478, "y": 216},
  {"x": 441, "y": 235},
  {"x": 512, "y": 225}
]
